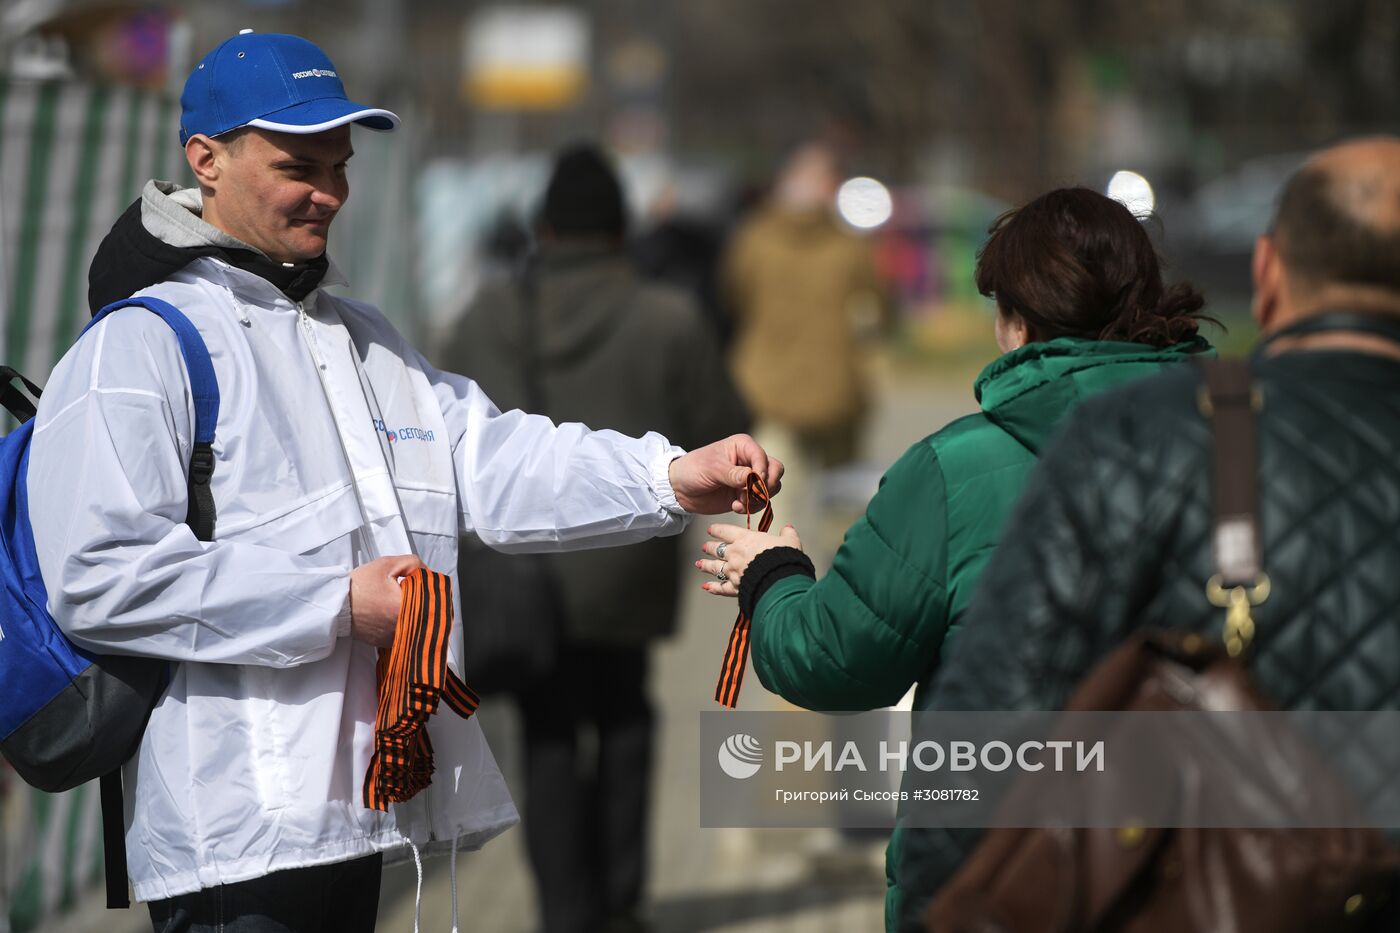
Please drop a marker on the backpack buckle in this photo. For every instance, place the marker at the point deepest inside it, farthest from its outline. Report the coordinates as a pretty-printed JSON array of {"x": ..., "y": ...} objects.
[{"x": 202, "y": 463}]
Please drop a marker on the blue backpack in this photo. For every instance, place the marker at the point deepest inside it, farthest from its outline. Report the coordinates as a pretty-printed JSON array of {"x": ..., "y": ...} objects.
[{"x": 68, "y": 715}]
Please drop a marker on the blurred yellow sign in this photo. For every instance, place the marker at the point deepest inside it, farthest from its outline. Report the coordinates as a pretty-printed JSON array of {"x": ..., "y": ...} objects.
[
  {"x": 525, "y": 58},
  {"x": 525, "y": 88}
]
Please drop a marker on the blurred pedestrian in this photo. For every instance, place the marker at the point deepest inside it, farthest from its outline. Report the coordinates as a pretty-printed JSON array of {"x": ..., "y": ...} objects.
[
  {"x": 584, "y": 339},
  {"x": 683, "y": 247},
  {"x": 801, "y": 286},
  {"x": 1081, "y": 307},
  {"x": 1115, "y": 530}
]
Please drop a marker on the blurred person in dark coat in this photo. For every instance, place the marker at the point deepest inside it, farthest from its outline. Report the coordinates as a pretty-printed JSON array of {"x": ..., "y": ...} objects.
[
  {"x": 683, "y": 248},
  {"x": 610, "y": 351},
  {"x": 1114, "y": 530}
]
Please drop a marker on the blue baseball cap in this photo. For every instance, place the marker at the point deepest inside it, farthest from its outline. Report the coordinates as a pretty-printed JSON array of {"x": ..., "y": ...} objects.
[{"x": 274, "y": 82}]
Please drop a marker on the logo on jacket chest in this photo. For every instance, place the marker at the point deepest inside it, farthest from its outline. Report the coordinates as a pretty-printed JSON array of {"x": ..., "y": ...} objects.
[{"x": 405, "y": 433}]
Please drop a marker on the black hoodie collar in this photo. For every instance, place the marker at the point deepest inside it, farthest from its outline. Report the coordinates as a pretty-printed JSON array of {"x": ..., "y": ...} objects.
[{"x": 131, "y": 258}]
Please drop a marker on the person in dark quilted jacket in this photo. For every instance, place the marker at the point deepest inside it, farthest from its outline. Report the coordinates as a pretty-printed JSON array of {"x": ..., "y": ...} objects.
[{"x": 1113, "y": 530}]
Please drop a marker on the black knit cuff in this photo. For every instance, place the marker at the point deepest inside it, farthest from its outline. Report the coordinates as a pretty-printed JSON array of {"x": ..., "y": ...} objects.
[{"x": 768, "y": 568}]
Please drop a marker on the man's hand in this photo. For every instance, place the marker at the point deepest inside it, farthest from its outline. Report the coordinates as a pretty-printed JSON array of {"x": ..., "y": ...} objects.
[
  {"x": 374, "y": 598},
  {"x": 712, "y": 479}
]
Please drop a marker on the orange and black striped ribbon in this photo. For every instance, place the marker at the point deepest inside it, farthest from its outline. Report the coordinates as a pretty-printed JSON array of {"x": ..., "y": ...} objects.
[
  {"x": 736, "y": 655},
  {"x": 413, "y": 678}
]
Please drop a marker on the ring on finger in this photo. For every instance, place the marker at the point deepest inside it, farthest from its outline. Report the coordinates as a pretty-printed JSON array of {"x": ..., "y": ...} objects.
[
  {"x": 720, "y": 575},
  {"x": 719, "y": 551}
]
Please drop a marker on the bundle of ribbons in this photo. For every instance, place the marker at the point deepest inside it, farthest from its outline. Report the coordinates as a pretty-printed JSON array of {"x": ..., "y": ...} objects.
[
  {"x": 736, "y": 655},
  {"x": 413, "y": 678}
]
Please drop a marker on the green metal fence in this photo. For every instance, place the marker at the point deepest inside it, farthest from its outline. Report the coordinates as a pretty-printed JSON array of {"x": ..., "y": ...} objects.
[
  {"x": 72, "y": 157},
  {"x": 53, "y": 852}
]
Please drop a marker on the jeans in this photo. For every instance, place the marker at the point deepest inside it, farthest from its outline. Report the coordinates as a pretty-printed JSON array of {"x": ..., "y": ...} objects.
[{"x": 342, "y": 897}]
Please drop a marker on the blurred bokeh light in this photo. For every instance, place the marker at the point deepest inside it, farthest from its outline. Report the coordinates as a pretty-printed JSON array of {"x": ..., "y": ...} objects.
[
  {"x": 1132, "y": 191},
  {"x": 864, "y": 203}
]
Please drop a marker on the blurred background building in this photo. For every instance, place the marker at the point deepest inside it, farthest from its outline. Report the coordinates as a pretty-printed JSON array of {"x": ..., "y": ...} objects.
[
  {"x": 960, "y": 107},
  {"x": 944, "y": 111}
]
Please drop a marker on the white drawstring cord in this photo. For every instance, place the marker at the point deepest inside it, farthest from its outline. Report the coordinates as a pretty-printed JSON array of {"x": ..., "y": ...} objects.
[
  {"x": 418, "y": 898},
  {"x": 455, "y": 839}
]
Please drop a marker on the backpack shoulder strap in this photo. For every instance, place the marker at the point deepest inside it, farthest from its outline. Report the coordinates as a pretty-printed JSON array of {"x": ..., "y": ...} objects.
[
  {"x": 15, "y": 401},
  {"x": 205, "y": 389}
]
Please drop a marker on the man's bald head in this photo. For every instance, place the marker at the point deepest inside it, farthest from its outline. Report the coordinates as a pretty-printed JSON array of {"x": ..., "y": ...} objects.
[{"x": 1338, "y": 221}]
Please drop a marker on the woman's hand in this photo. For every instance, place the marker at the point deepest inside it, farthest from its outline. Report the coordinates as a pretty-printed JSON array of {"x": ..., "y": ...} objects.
[{"x": 741, "y": 546}]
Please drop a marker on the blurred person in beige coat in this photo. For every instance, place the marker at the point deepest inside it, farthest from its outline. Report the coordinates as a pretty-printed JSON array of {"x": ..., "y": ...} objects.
[{"x": 802, "y": 288}]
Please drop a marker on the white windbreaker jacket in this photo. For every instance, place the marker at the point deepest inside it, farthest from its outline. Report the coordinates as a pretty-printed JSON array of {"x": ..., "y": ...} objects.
[{"x": 254, "y": 758}]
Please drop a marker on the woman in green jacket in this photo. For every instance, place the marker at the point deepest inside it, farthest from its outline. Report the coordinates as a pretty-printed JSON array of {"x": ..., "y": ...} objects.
[{"x": 1081, "y": 307}]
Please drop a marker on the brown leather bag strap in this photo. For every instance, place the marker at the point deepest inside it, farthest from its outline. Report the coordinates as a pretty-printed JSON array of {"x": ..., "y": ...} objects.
[{"x": 1229, "y": 399}]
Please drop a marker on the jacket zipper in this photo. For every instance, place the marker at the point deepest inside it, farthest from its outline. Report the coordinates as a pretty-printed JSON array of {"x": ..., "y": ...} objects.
[{"x": 309, "y": 338}]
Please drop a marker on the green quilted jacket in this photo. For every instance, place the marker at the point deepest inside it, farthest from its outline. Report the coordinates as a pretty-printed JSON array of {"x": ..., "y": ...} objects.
[{"x": 860, "y": 636}]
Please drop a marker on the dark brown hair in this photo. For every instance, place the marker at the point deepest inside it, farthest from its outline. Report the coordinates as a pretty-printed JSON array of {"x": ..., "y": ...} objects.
[{"x": 1074, "y": 263}]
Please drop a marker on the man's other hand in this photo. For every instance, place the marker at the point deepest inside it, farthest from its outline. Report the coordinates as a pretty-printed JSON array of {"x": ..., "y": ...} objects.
[
  {"x": 374, "y": 598},
  {"x": 712, "y": 479}
]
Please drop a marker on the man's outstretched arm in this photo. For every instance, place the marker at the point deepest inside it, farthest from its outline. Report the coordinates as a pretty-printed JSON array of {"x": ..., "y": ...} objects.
[{"x": 525, "y": 483}]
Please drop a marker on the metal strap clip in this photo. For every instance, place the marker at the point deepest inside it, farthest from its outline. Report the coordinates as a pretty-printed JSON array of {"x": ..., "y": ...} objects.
[{"x": 1238, "y": 603}]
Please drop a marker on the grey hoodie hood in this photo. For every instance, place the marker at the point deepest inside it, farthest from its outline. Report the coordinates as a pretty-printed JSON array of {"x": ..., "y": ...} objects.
[{"x": 174, "y": 215}]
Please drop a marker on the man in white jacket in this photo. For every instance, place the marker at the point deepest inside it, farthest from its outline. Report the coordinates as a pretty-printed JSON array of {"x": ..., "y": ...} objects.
[{"x": 342, "y": 460}]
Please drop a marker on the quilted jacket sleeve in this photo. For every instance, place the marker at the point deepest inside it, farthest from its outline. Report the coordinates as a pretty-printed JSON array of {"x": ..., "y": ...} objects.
[
  {"x": 859, "y": 637},
  {"x": 1063, "y": 578},
  {"x": 1028, "y": 635}
]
